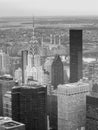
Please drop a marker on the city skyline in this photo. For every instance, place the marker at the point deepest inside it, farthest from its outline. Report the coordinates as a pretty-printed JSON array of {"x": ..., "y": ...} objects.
[{"x": 48, "y": 8}]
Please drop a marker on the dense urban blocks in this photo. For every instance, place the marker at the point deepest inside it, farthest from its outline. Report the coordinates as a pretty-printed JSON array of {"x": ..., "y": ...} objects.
[{"x": 75, "y": 55}]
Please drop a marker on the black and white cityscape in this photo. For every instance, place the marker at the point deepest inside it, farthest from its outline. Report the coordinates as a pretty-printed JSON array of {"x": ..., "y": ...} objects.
[{"x": 48, "y": 70}]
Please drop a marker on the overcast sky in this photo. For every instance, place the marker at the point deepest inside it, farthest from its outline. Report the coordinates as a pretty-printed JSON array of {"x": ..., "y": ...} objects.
[{"x": 48, "y": 7}]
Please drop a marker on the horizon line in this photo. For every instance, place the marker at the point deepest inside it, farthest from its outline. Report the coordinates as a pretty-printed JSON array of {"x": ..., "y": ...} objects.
[{"x": 13, "y": 16}]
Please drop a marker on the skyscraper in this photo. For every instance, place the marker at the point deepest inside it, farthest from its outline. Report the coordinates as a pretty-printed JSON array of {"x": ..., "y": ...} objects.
[
  {"x": 5, "y": 86},
  {"x": 24, "y": 64},
  {"x": 92, "y": 109},
  {"x": 75, "y": 55},
  {"x": 29, "y": 106},
  {"x": 4, "y": 62},
  {"x": 57, "y": 72}
]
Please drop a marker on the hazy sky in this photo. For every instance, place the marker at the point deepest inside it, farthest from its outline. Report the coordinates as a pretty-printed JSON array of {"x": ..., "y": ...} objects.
[{"x": 48, "y": 7}]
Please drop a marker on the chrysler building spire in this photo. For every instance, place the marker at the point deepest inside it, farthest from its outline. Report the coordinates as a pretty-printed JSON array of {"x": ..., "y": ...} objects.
[
  {"x": 33, "y": 43},
  {"x": 33, "y": 30}
]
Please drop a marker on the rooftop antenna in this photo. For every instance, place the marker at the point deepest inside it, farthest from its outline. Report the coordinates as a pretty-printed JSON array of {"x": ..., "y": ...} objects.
[{"x": 32, "y": 37}]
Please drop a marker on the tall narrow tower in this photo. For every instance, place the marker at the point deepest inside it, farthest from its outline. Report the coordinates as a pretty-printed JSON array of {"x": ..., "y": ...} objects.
[
  {"x": 33, "y": 44},
  {"x": 57, "y": 72},
  {"x": 75, "y": 55},
  {"x": 24, "y": 64},
  {"x": 51, "y": 38},
  {"x": 54, "y": 39},
  {"x": 59, "y": 40},
  {"x": 33, "y": 30}
]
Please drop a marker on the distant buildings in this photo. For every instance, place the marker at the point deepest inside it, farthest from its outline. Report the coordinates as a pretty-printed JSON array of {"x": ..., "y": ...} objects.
[
  {"x": 37, "y": 60},
  {"x": 41, "y": 72},
  {"x": 52, "y": 49},
  {"x": 4, "y": 62},
  {"x": 47, "y": 67},
  {"x": 18, "y": 75}
]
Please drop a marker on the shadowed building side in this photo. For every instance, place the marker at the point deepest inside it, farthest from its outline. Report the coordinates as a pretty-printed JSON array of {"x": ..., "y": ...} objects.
[
  {"x": 92, "y": 109},
  {"x": 75, "y": 55}
]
